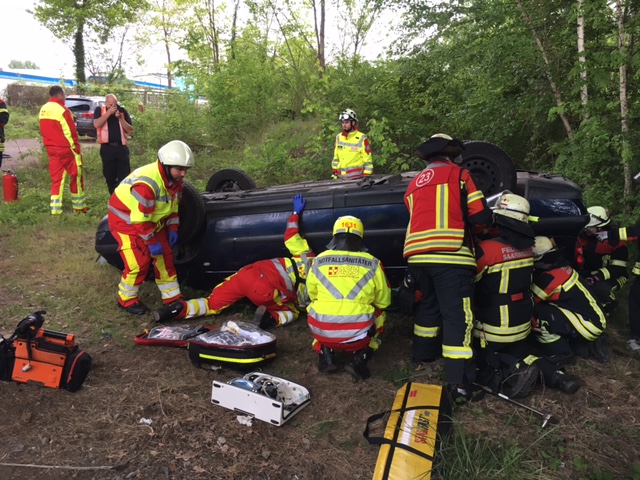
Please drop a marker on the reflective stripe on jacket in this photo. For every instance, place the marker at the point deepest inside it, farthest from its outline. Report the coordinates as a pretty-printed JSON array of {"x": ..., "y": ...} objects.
[
  {"x": 441, "y": 200},
  {"x": 127, "y": 208},
  {"x": 345, "y": 289},
  {"x": 563, "y": 288},
  {"x": 57, "y": 126},
  {"x": 302, "y": 256},
  {"x": 504, "y": 304},
  {"x": 103, "y": 132},
  {"x": 352, "y": 155}
]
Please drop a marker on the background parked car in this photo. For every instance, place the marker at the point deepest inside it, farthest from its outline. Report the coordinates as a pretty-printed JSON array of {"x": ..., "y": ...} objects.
[
  {"x": 233, "y": 223},
  {"x": 82, "y": 109}
]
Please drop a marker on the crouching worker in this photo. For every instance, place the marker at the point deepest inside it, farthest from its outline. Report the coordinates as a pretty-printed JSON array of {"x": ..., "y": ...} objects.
[
  {"x": 568, "y": 319},
  {"x": 143, "y": 218},
  {"x": 275, "y": 286},
  {"x": 349, "y": 291},
  {"x": 504, "y": 307}
]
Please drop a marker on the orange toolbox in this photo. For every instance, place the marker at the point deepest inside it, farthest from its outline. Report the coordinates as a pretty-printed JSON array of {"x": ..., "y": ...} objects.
[{"x": 41, "y": 359}]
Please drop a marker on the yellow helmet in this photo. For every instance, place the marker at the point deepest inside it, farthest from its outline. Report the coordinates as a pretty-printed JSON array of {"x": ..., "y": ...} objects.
[
  {"x": 598, "y": 217},
  {"x": 349, "y": 224},
  {"x": 513, "y": 206},
  {"x": 543, "y": 246}
]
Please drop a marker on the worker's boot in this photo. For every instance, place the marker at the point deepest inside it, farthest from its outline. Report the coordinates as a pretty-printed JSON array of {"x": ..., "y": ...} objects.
[
  {"x": 599, "y": 351},
  {"x": 327, "y": 361},
  {"x": 521, "y": 380},
  {"x": 357, "y": 367},
  {"x": 565, "y": 382},
  {"x": 169, "y": 312},
  {"x": 263, "y": 318},
  {"x": 137, "y": 308}
]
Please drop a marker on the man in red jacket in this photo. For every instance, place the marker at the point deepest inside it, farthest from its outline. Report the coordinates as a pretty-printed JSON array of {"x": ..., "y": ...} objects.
[
  {"x": 445, "y": 209},
  {"x": 60, "y": 138}
]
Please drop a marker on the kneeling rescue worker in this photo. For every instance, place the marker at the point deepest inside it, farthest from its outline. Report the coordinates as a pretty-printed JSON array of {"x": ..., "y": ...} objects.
[
  {"x": 349, "y": 291},
  {"x": 143, "y": 218}
]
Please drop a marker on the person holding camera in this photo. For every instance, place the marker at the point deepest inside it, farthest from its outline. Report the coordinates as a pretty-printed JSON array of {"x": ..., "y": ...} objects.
[{"x": 113, "y": 124}]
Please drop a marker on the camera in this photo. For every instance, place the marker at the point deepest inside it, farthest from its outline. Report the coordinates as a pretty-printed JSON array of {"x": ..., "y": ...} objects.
[{"x": 120, "y": 108}]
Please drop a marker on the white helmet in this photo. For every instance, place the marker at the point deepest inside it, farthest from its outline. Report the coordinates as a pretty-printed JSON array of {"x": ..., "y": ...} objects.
[
  {"x": 176, "y": 154},
  {"x": 347, "y": 115},
  {"x": 598, "y": 217},
  {"x": 543, "y": 246},
  {"x": 513, "y": 206}
]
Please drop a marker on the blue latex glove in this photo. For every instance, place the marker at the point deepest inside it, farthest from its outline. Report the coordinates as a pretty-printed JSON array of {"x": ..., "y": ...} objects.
[
  {"x": 155, "y": 249},
  {"x": 173, "y": 238},
  {"x": 298, "y": 203}
]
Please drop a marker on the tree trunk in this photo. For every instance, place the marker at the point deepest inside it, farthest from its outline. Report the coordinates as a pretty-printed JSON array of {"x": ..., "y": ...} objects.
[
  {"x": 547, "y": 63},
  {"x": 582, "y": 59},
  {"x": 319, "y": 25},
  {"x": 624, "y": 112},
  {"x": 78, "y": 53}
]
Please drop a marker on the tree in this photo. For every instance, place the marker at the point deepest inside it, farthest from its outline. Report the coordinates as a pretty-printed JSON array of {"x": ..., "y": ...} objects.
[
  {"x": 27, "y": 65},
  {"x": 70, "y": 20}
]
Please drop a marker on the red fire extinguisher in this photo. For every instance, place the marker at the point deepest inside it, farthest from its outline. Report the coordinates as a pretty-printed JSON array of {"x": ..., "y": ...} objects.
[{"x": 10, "y": 186}]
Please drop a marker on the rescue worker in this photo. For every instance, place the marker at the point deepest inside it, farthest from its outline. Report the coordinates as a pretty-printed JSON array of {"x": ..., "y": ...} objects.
[
  {"x": 613, "y": 237},
  {"x": 113, "y": 125},
  {"x": 4, "y": 119},
  {"x": 504, "y": 307},
  {"x": 604, "y": 266},
  {"x": 445, "y": 209},
  {"x": 276, "y": 286},
  {"x": 568, "y": 319},
  {"x": 352, "y": 151},
  {"x": 60, "y": 138},
  {"x": 143, "y": 218},
  {"x": 349, "y": 291}
]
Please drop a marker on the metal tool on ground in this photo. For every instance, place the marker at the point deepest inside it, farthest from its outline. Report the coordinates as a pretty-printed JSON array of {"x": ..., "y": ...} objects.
[{"x": 547, "y": 418}]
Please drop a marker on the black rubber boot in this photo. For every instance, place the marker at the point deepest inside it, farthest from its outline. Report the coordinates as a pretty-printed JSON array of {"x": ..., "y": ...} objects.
[
  {"x": 520, "y": 380},
  {"x": 138, "y": 308},
  {"x": 263, "y": 318},
  {"x": 599, "y": 351},
  {"x": 326, "y": 361},
  {"x": 168, "y": 312},
  {"x": 357, "y": 367},
  {"x": 565, "y": 382}
]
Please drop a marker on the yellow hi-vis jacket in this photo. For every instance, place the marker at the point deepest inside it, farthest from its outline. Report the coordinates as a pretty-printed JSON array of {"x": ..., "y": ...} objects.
[
  {"x": 345, "y": 289},
  {"x": 352, "y": 155}
]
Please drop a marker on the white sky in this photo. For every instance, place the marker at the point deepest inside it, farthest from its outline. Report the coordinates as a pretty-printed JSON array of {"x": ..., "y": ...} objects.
[{"x": 26, "y": 39}]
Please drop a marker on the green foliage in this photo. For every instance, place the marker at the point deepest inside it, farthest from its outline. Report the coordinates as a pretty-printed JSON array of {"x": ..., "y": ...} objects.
[
  {"x": 23, "y": 123},
  {"x": 27, "y": 65}
]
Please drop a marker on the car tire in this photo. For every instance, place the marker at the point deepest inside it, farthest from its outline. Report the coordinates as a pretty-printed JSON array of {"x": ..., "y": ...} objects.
[
  {"x": 192, "y": 214},
  {"x": 230, "y": 180},
  {"x": 491, "y": 167}
]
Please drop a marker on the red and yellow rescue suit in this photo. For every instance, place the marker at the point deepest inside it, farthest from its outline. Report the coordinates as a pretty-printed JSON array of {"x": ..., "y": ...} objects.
[
  {"x": 565, "y": 310},
  {"x": 351, "y": 155},
  {"x": 60, "y": 138},
  {"x": 348, "y": 292},
  {"x": 142, "y": 209},
  {"x": 604, "y": 267},
  {"x": 445, "y": 207},
  {"x": 278, "y": 283}
]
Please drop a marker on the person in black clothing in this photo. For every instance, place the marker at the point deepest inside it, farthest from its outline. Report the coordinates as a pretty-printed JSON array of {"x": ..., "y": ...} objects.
[
  {"x": 4, "y": 119},
  {"x": 113, "y": 124}
]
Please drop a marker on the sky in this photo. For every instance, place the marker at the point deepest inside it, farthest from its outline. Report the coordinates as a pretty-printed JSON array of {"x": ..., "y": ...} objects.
[{"x": 27, "y": 40}]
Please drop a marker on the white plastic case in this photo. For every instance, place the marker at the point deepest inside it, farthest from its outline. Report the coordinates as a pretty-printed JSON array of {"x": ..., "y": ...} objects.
[{"x": 266, "y": 397}]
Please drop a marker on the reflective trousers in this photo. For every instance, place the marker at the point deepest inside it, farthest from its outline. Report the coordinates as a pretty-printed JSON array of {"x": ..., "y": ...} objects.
[
  {"x": 137, "y": 261},
  {"x": 444, "y": 319},
  {"x": 252, "y": 282},
  {"x": 63, "y": 161}
]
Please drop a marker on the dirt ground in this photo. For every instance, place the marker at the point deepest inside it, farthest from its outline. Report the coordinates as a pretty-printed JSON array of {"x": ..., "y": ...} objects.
[{"x": 96, "y": 433}]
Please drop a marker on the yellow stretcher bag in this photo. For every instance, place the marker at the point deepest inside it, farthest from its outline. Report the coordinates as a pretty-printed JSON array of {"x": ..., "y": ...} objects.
[{"x": 420, "y": 417}]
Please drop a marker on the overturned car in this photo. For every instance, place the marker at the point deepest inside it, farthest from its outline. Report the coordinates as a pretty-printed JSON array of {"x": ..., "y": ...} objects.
[{"x": 234, "y": 223}]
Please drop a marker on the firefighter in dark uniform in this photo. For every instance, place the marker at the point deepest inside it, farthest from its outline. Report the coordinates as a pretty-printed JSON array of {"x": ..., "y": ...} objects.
[
  {"x": 604, "y": 266},
  {"x": 504, "y": 307},
  {"x": 445, "y": 209},
  {"x": 568, "y": 320},
  {"x": 614, "y": 236},
  {"x": 4, "y": 119}
]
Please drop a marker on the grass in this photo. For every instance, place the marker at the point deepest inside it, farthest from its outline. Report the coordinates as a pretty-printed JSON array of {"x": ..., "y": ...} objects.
[
  {"x": 50, "y": 264},
  {"x": 23, "y": 123}
]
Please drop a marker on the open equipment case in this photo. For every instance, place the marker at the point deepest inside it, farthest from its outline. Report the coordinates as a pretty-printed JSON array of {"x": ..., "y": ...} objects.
[{"x": 266, "y": 397}]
